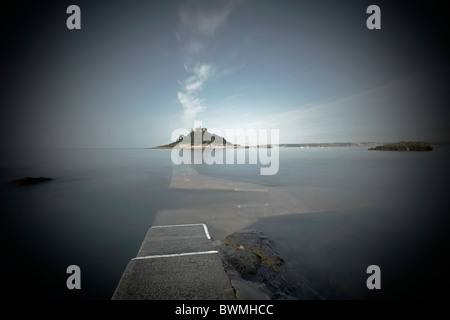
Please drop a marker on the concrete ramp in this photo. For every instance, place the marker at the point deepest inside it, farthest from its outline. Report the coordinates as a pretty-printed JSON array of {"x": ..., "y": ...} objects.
[{"x": 175, "y": 262}]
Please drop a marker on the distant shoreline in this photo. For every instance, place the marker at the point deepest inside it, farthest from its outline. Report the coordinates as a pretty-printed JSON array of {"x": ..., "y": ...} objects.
[{"x": 283, "y": 145}]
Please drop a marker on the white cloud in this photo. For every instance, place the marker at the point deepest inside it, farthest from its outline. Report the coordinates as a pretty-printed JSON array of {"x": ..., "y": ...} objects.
[
  {"x": 205, "y": 21},
  {"x": 191, "y": 103},
  {"x": 191, "y": 87},
  {"x": 199, "y": 22},
  {"x": 204, "y": 71}
]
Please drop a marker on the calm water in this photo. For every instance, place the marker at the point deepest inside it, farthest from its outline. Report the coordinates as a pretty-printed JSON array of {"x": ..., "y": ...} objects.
[{"x": 384, "y": 208}]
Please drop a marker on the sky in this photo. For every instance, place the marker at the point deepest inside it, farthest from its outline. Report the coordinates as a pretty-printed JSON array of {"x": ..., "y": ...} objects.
[{"x": 138, "y": 70}]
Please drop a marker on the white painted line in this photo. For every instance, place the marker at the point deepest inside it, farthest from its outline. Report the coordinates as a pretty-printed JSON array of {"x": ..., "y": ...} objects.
[
  {"x": 251, "y": 190},
  {"x": 206, "y": 231},
  {"x": 186, "y": 225},
  {"x": 178, "y": 225},
  {"x": 175, "y": 255}
]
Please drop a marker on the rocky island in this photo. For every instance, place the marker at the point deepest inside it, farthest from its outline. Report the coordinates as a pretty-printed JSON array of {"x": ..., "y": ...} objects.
[
  {"x": 405, "y": 146},
  {"x": 201, "y": 138}
]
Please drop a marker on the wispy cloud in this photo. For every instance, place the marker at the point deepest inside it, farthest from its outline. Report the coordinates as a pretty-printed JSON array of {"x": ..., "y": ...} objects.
[
  {"x": 205, "y": 21},
  {"x": 191, "y": 87},
  {"x": 199, "y": 23}
]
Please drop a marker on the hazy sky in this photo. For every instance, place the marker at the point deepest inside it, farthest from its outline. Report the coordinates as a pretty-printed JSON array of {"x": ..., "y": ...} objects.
[{"x": 137, "y": 70}]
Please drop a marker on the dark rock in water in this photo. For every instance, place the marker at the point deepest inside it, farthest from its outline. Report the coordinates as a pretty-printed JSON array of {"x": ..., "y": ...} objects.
[
  {"x": 28, "y": 181},
  {"x": 255, "y": 242},
  {"x": 243, "y": 261},
  {"x": 405, "y": 146},
  {"x": 256, "y": 269}
]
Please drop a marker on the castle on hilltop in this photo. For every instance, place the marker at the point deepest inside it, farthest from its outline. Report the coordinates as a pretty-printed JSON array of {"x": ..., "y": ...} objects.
[{"x": 199, "y": 128}]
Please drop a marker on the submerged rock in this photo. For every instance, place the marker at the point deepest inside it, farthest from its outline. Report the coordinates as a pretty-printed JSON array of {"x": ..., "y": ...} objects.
[
  {"x": 28, "y": 181},
  {"x": 256, "y": 269}
]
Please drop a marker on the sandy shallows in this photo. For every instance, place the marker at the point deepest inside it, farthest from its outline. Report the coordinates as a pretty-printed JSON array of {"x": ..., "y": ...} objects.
[{"x": 226, "y": 206}]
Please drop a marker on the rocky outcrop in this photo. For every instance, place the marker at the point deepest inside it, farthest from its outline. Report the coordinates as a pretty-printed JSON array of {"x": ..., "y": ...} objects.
[
  {"x": 201, "y": 138},
  {"x": 405, "y": 146},
  {"x": 198, "y": 137},
  {"x": 28, "y": 181},
  {"x": 255, "y": 268}
]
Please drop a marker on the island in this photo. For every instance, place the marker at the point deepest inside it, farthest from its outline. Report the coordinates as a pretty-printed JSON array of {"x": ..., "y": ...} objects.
[
  {"x": 405, "y": 146},
  {"x": 201, "y": 138}
]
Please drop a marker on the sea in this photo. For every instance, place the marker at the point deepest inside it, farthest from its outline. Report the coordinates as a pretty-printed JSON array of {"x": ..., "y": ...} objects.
[{"x": 384, "y": 208}]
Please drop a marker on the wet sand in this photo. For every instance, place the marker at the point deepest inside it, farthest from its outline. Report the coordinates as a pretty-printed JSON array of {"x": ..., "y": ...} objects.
[{"x": 227, "y": 206}]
